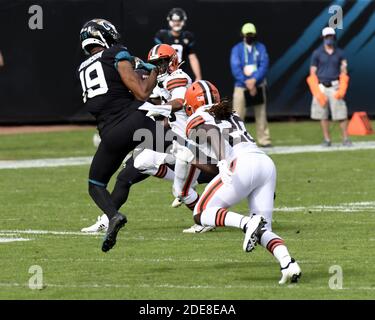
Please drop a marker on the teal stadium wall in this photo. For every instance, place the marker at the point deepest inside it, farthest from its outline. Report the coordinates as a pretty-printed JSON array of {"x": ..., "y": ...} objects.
[{"x": 38, "y": 83}]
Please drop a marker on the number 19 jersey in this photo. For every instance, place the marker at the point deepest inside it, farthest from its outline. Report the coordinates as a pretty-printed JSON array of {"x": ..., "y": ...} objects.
[{"x": 104, "y": 93}]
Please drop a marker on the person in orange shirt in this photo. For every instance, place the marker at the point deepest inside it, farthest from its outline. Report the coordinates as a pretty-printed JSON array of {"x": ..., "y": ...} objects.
[{"x": 328, "y": 82}]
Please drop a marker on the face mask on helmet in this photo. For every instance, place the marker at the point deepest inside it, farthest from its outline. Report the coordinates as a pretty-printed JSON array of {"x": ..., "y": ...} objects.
[
  {"x": 163, "y": 65},
  {"x": 176, "y": 18},
  {"x": 176, "y": 25}
]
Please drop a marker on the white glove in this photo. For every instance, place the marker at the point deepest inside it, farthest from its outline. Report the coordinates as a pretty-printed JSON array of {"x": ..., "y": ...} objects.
[
  {"x": 156, "y": 110},
  {"x": 224, "y": 172}
]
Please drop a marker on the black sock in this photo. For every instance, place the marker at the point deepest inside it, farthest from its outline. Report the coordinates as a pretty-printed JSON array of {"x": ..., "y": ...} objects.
[
  {"x": 126, "y": 178},
  {"x": 102, "y": 199}
]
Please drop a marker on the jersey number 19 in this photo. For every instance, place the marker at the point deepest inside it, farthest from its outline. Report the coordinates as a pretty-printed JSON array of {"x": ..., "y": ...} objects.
[{"x": 93, "y": 81}]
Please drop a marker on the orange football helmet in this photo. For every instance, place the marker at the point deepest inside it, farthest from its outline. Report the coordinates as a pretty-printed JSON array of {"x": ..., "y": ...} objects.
[
  {"x": 199, "y": 94},
  {"x": 165, "y": 57}
]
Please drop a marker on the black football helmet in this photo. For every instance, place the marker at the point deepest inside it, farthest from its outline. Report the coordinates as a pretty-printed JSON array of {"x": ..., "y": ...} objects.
[
  {"x": 177, "y": 18},
  {"x": 98, "y": 32}
]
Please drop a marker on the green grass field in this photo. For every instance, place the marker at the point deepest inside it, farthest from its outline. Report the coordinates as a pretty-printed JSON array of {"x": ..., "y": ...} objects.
[{"x": 153, "y": 259}]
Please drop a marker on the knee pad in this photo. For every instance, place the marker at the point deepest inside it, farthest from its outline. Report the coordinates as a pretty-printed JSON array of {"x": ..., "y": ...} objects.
[
  {"x": 148, "y": 161},
  {"x": 145, "y": 162}
]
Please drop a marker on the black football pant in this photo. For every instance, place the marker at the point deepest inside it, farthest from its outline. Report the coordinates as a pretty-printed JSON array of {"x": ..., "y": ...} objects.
[{"x": 115, "y": 144}]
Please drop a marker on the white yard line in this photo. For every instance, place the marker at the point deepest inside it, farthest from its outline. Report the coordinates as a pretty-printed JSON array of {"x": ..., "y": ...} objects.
[
  {"x": 44, "y": 163},
  {"x": 173, "y": 286},
  {"x": 79, "y": 161},
  {"x": 7, "y": 240},
  {"x": 7, "y": 236},
  {"x": 344, "y": 207},
  {"x": 49, "y": 232},
  {"x": 364, "y": 145}
]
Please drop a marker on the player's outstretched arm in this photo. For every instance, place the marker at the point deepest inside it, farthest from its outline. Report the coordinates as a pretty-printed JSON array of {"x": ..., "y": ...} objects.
[{"x": 140, "y": 88}]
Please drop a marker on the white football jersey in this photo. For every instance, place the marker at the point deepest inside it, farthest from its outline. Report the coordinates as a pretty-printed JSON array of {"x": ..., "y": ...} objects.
[
  {"x": 237, "y": 139},
  {"x": 174, "y": 87}
]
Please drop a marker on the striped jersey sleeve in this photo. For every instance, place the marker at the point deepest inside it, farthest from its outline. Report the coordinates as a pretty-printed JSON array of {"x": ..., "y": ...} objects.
[
  {"x": 175, "y": 83},
  {"x": 193, "y": 123}
]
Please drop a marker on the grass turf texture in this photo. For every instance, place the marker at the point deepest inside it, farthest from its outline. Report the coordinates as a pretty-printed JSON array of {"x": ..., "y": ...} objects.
[
  {"x": 154, "y": 260},
  {"x": 79, "y": 143}
]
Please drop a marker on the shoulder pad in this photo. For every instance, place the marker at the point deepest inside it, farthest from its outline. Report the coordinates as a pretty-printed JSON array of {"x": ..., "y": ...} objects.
[
  {"x": 176, "y": 79},
  {"x": 194, "y": 121}
]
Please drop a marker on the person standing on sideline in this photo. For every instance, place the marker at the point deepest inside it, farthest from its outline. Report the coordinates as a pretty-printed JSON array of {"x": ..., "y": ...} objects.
[
  {"x": 181, "y": 40},
  {"x": 249, "y": 64},
  {"x": 328, "y": 82}
]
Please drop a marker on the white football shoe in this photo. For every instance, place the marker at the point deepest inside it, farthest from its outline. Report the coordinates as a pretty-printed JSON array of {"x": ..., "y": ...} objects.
[
  {"x": 100, "y": 225},
  {"x": 196, "y": 228},
  {"x": 253, "y": 228},
  {"x": 177, "y": 202},
  {"x": 291, "y": 272}
]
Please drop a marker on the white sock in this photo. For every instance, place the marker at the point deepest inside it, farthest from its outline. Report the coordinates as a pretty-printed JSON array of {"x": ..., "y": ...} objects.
[
  {"x": 163, "y": 172},
  {"x": 281, "y": 253},
  {"x": 236, "y": 220},
  {"x": 216, "y": 216},
  {"x": 169, "y": 175}
]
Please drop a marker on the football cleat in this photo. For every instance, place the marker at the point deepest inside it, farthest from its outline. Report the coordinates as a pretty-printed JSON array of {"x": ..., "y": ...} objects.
[
  {"x": 196, "y": 228},
  {"x": 253, "y": 230},
  {"x": 100, "y": 225},
  {"x": 114, "y": 226},
  {"x": 291, "y": 272},
  {"x": 177, "y": 202}
]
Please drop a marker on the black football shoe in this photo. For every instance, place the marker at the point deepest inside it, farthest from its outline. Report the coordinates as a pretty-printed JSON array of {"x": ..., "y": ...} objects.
[{"x": 114, "y": 226}]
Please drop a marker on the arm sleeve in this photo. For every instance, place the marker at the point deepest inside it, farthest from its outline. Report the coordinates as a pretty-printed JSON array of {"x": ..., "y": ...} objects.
[
  {"x": 176, "y": 83},
  {"x": 235, "y": 64},
  {"x": 263, "y": 64}
]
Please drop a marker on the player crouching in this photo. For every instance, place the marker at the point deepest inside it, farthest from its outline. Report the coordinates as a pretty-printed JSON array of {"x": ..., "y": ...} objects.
[{"x": 245, "y": 172}]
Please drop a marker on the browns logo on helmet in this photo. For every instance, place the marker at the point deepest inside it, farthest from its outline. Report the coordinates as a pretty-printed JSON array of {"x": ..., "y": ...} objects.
[{"x": 200, "y": 93}]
